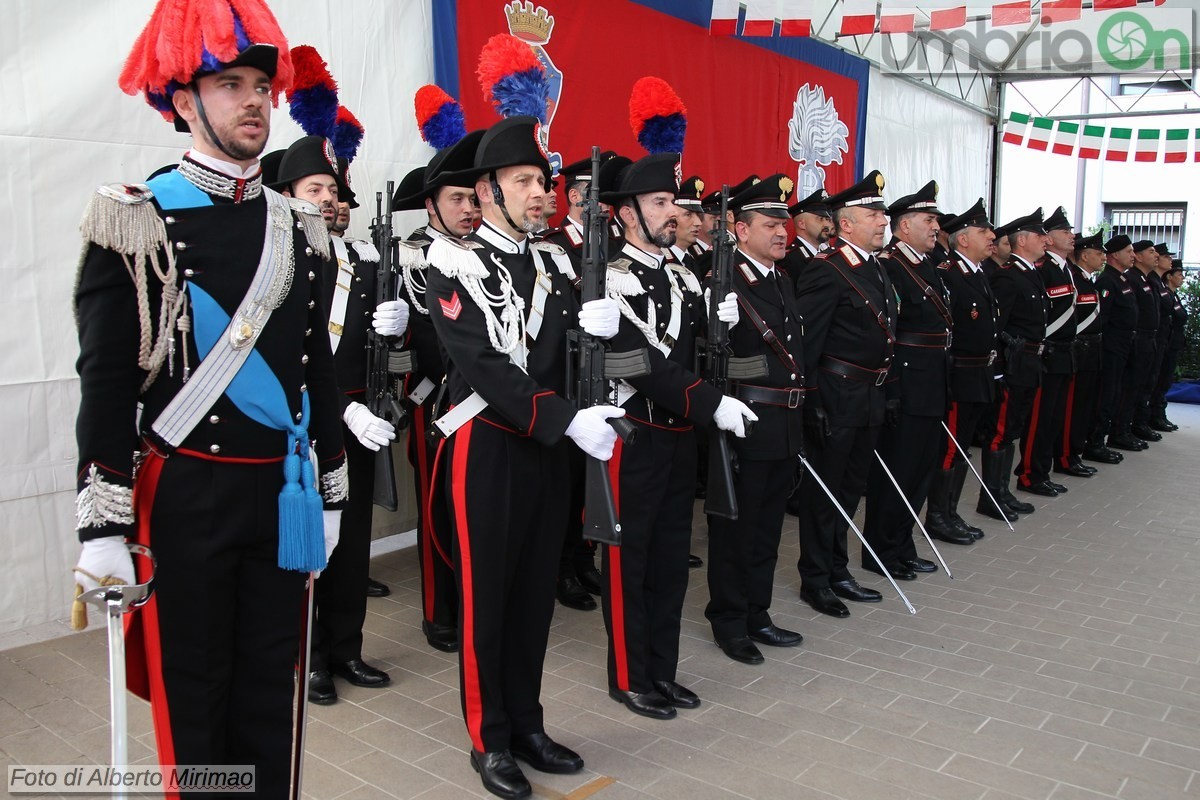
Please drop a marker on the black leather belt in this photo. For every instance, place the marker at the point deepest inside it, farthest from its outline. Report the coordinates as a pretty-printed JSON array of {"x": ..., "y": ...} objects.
[
  {"x": 853, "y": 371},
  {"x": 787, "y": 398},
  {"x": 1088, "y": 338},
  {"x": 935, "y": 340},
  {"x": 975, "y": 361},
  {"x": 1033, "y": 348}
]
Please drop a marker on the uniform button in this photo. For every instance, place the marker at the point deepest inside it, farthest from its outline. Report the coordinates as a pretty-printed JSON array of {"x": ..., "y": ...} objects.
[
  {"x": 557, "y": 291},
  {"x": 658, "y": 305},
  {"x": 304, "y": 359},
  {"x": 650, "y": 287},
  {"x": 188, "y": 273},
  {"x": 181, "y": 245},
  {"x": 312, "y": 303},
  {"x": 299, "y": 415},
  {"x": 303, "y": 387},
  {"x": 308, "y": 251},
  {"x": 793, "y": 376},
  {"x": 366, "y": 313},
  {"x": 214, "y": 448},
  {"x": 564, "y": 312},
  {"x": 308, "y": 331},
  {"x": 357, "y": 279},
  {"x": 312, "y": 276},
  {"x": 169, "y": 220},
  {"x": 670, "y": 420},
  {"x": 363, "y": 296},
  {"x": 214, "y": 419},
  {"x": 789, "y": 337}
]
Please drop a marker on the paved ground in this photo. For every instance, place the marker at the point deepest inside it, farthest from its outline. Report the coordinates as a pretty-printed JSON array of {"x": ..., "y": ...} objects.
[{"x": 1063, "y": 662}]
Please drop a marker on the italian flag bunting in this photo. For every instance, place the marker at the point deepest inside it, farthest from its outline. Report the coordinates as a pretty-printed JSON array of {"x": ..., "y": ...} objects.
[
  {"x": 1177, "y": 146},
  {"x": 1014, "y": 131},
  {"x": 1039, "y": 136},
  {"x": 1147, "y": 145},
  {"x": 1118, "y": 144},
  {"x": 1093, "y": 141},
  {"x": 1197, "y": 144},
  {"x": 1064, "y": 142}
]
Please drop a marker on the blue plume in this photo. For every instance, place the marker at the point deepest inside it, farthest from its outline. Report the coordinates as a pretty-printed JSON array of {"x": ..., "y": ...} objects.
[
  {"x": 446, "y": 127},
  {"x": 663, "y": 134},
  {"x": 314, "y": 109},
  {"x": 523, "y": 94}
]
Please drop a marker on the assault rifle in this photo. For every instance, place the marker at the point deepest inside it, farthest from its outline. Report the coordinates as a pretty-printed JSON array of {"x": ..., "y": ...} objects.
[
  {"x": 385, "y": 361},
  {"x": 591, "y": 368},
  {"x": 721, "y": 369}
]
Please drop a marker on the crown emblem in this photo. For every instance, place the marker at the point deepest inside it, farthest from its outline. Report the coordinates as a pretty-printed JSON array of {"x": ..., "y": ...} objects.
[{"x": 529, "y": 24}]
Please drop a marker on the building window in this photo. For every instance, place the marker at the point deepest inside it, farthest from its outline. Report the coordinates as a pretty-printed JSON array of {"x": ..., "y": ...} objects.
[
  {"x": 1137, "y": 84},
  {"x": 1157, "y": 222}
]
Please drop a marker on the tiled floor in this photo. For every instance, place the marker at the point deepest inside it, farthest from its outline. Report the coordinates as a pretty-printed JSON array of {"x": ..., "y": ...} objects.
[{"x": 1063, "y": 662}]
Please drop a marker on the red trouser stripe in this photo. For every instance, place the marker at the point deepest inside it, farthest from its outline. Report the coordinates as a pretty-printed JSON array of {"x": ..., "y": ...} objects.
[
  {"x": 1001, "y": 418},
  {"x": 473, "y": 702},
  {"x": 615, "y": 587},
  {"x": 1031, "y": 438},
  {"x": 143, "y": 645},
  {"x": 951, "y": 450},
  {"x": 417, "y": 434},
  {"x": 1066, "y": 433}
]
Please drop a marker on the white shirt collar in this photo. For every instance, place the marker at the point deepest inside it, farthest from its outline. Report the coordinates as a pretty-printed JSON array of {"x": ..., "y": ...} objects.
[
  {"x": 909, "y": 251},
  {"x": 865, "y": 255},
  {"x": 704, "y": 246},
  {"x": 1023, "y": 261},
  {"x": 765, "y": 271},
  {"x": 1062, "y": 262},
  {"x": 652, "y": 260},
  {"x": 222, "y": 166},
  {"x": 678, "y": 252},
  {"x": 576, "y": 225},
  {"x": 974, "y": 267},
  {"x": 809, "y": 246},
  {"x": 500, "y": 240}
]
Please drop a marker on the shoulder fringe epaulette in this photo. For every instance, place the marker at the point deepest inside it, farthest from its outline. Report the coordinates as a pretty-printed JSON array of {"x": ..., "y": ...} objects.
[
  {"x": 121, "y": 218},
  {"x": 548, "y": 247},
  {"x": 410, "y": 254},
  {"x": 621, "y": 281},
  {"x": 456, "y": 258},
  {"x": 366, "y": 249},
  {"x": 688, "y": 277},
  {"x": 313, "y": 225},
  {"x": 558, "y": 255}
]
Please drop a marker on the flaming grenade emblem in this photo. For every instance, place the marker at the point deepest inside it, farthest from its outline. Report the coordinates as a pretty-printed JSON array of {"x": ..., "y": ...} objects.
[{"x": 817, "y": 136}]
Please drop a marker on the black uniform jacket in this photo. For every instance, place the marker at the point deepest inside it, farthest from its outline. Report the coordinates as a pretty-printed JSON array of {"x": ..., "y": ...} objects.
[
  {"x": 919, "y": 376},
  {"x": 528, "y": 402},
  {"x": 849, "y": 311},
  {"x": 1089, "y": 320},
  {"x": 217, "y": 248},
  {"x": 1060, "y": 316},
  {"x": 672, "y": 395},
  {"x": 1118, "y": 306},
  {"x": 975, "y": 327},
  {"x": 1021, "y": 302},
  {"x": 1147, "y": 302},
  {"x": 420, "y": 337},
  {"x": 779, "y": 432},
  {"x": 358, "y": 275},
  {"x": 798, "y": 254}
]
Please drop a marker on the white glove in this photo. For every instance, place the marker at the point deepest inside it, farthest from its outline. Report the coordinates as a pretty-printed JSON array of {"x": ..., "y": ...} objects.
[
  {"x": 591, "y": 431},
  {"x": 333, "y": 530},
  {"x": 600, "y": 318},
  {"x": 731, "y": 415},
  {"x": 371, "y": 431},
  {"x": 102, "y": 559},
  {"x": 391, "y": 318},
  {"x": 727, "y": 309}
]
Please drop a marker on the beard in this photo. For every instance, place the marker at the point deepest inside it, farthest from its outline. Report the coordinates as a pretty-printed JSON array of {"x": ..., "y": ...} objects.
[{"x": 664, "y": 237}]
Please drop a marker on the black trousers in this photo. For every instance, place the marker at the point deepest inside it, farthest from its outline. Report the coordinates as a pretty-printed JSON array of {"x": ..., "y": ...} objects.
[
  {"x": 577, "y": 553},
  {"x": 227, "y": 618},
  {"x": 1080, "y": 408},
  {"x": 911, "y": 451},
  {"x": 435, "y": 546},
  {"x": 645, "y": 579},
  {"x": 1141, "y": 413},
  {"x": 1116, "y": 348},
  {"x": 508, "y": 502},
  {"x": 1047, "y": 412},
  {"x": 1013, "y": 405},
  {"x": 843, "y": 460},
  {"x": 742, "y": 553},
  {"x": 1135, "y": 382},
  {"x": 341, "y": 599},
  {"x": 965, "y": 421},
  {"x": 1166, "y": 377}
]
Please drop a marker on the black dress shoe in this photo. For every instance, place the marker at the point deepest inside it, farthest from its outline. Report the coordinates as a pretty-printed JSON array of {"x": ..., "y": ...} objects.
[
  {"x": 1077, "y": 462},
  {"x": 648, "y": 704},
  {"x": 572, "y": 594},
  {"x": 1123, "y": 441},
  {"x": 678, "y": 696},
  {"x": 500, "y": 774},
  {"x": 741, "y": 649},
  {"x": 694, "y": 561},
  {"x": 962, "y": 526},
  {"x": 1144, "y": 432},
  {"x": 320, "y": 688},
  {"x": 775, "y": 636},
  {"x": 900, "y": 573},
  {"x": 589, "y": 579},
  {"x": 919, "y": 564},
  {"x": 986, "y": 507},
  {"x": 1043, "y": 489},
  {"x": 1074, "y": 471},
  {"x": 377, "y": 588},
  {"x": 824, "y": 601},
  {"x": 953, "y": 535},
  {"x": 1102, "y": 454},
  {"x": 1019, "y": 506},
  {"x": 850, "y": 590},
  {"x": 440, "y": 637},
  {"x": 360, "y": 673},
  {"x": 1058, "y": 487},
  {"x": 544, "y": 754}
]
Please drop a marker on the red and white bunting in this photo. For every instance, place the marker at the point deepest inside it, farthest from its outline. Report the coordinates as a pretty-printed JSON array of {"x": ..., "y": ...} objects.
[
  {"x": 724, "y": 19},
  {"x": 1147, "y": 145},
  {"x": 1061, "y": 11},
  {"x": 1014, "y": 130},
  {"x": 1118, "y": 144},
  {"x": 1092, "y": 142},
  {"x": 1039, "y": 134},
  {"x": 1018, "y": 13},
  {"x": 897, "y": 16},
  {"x": 760, "y": 18},
  {"x": 1176, "y": 146},
  {"x": 1064, "y": 140},
  {"x": 858, "y": 18},
  {"x": 795, "y": 17}
]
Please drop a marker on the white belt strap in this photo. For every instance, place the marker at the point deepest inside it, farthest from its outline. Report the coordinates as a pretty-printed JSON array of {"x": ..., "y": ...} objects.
[
  {"x": 676, "y": 320},
  {"x": 1090, "y": 318},
  {"x": 341, "y": 292},
  {"x": 421, "y": 391},
  {"x": 1058, "y": 323},
  {"x": 542, "y": 288},
  {"x": 233, "y": 347},
  {"x": 460, "y": 415}
]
